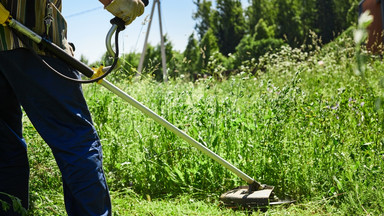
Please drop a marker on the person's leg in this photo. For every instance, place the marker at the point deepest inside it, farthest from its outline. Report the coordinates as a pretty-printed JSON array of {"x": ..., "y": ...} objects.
[
  {"x": 57, "y": 109},
  {"x": 14, "y": 167}
]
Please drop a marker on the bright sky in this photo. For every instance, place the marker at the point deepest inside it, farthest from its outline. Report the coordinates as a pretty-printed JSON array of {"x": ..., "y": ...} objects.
[{"x": 88, "y": 24}]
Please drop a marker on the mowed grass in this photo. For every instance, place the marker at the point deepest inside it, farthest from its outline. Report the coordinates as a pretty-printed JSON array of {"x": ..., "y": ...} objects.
[{"x": 301, "y": 121}]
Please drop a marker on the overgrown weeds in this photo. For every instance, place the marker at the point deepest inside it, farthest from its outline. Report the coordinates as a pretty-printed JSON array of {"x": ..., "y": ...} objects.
[{"x": 300, "y": 120}]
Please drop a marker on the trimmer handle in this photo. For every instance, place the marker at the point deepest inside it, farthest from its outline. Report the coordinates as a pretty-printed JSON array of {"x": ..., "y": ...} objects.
[
  {"x": 118, "y": 22},
  {"x": 146, "y": 2}
]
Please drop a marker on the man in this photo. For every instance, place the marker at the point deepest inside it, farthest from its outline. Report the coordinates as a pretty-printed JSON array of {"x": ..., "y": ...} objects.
[{"x": 55, "y": 106}]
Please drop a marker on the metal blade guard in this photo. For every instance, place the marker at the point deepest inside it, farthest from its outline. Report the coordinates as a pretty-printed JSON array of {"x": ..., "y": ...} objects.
[
  {"x": 248, "y": 198},
  {"x": 244, "y": 197}
]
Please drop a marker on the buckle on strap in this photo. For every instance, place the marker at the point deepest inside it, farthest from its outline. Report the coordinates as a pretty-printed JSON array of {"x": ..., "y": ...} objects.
[{"x": 48, "y": 19}]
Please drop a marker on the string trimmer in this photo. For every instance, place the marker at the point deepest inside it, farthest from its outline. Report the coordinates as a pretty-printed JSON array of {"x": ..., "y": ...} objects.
[{"x": 253, "y": 195}]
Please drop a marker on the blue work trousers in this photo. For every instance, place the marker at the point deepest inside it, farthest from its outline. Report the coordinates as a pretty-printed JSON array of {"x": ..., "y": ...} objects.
[{"x": 58, "y": 111}]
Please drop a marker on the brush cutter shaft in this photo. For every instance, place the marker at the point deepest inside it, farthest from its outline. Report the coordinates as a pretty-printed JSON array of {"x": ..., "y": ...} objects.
[
  {"x": 25, "y": 31},
  {"x": 176, "y": 130}
]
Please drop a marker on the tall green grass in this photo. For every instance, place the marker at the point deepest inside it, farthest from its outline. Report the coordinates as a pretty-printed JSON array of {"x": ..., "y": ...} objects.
[{"x": 301, "y": 121}]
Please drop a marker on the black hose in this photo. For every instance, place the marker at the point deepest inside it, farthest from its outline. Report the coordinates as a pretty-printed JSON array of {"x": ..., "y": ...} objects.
[
  {"x": 72, "y": 62},
  {"x": 78, "y": 65}
]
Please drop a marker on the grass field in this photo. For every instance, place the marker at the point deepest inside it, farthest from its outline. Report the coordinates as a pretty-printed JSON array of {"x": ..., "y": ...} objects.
[{"x": 304, "y": 122}]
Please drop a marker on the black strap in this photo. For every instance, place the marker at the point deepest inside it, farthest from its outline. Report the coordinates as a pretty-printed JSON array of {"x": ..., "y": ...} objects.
[{"x": 30, "y": 14}]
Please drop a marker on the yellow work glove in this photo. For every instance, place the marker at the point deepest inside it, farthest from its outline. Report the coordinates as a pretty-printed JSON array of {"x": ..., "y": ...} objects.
[{"x": 126, "y": 10}]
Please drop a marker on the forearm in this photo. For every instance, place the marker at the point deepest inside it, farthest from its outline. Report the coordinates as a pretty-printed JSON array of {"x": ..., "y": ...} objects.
[{"x": 105, "y": 2}]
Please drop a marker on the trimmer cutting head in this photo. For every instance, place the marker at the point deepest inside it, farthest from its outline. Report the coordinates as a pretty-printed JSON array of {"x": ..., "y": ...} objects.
[{"x": 243, "y": 197}]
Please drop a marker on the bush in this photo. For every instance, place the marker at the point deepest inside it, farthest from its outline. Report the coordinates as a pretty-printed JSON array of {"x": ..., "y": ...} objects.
[{"x": 249, "y": 48}]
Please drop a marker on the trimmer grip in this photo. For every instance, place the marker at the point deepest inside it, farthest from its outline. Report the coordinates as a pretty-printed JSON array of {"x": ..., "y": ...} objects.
[
  {"x": 118, "y": 22},
  {"x": 146, "y": 2}
]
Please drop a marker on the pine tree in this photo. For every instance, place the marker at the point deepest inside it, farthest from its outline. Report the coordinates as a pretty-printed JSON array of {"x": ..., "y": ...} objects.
[
  {"x": 254, "y": 13},
  {"x": 288, "y": 22},
  {"x": 326, "y": 19},
  {"x": 230, "y": 25},
  {"x": 191, "y": 56},
  {"x": 259, "y": 9},
  {"x": 202, "y": 17},
  {"x": 208, "y": 46},
  {"x": 308, "y": 16}
]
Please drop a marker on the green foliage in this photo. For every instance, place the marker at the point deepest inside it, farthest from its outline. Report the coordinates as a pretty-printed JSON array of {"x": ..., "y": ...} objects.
[
  {"x": 243, "y": 36},
  {"x": 299, "y": 118},
  {"x": 304, "y": 123},
  {"x": 288, "y": 22},
  {"x": 308, "y": 16},
  {"x": 84, "y": 59},
  {"x": 15, "y": 205},
  {"x": 127, "y": 68},
  {"x": 208, "y": 46},
  {"x": 217, "y": 65},
  {"x": 229, "y": 25},
  {"x": 203, "y": 16},
  {"x": 106, "y": 59},
  {"x": 326, "y": 19},
  {"x": 263, "y": 31},
  {"x": 191, "y": 56},
  {"x": 176, "y": 65},
  {"x": 346, "y": 13},
  {"x": 153, "y": 60},
  {"x": 250, "y": 48},
  {"x": 257, "y": 10}
]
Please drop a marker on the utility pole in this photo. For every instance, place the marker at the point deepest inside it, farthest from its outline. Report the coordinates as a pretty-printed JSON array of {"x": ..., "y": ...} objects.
[{"x": 163, "y": 57}]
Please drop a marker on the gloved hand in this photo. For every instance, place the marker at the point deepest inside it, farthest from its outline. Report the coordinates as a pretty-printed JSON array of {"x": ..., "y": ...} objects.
[{"x": 126, "y": 10}]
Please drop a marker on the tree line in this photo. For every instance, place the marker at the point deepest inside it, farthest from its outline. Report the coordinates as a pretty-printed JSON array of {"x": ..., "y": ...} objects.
[{"x": 227, "y": 34}]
